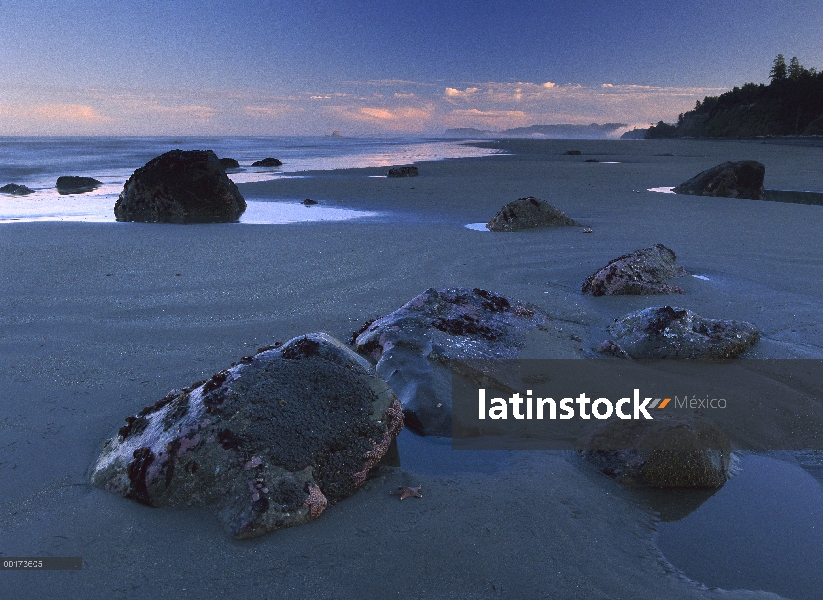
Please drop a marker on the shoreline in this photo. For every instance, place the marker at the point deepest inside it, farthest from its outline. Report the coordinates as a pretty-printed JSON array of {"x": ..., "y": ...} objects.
[{"x": 100, "y": 324}]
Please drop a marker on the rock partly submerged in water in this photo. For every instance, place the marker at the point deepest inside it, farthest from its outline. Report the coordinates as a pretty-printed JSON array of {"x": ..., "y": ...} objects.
[
  {"x": 16, "y": 190},
  {"x": 229, "y": 163},
  {"x": 267, "y": 443},
  {"x": 267, "y": 162},
  {"x": 180, "y": 186},
  {"x": 641, "y": 272},
  {"x": 668, "y": 452},
  {"x": 71, "y": 184},
  {"x": 743, "y": 179},
  {"x": 403, "y": 172},
  {"x": 526, "y": 213},
  {"x": 415, "y": 345},
  {"x": 667, "y": 332}
]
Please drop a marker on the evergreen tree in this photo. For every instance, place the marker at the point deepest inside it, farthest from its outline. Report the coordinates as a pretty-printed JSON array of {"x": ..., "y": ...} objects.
[
  {"x": 795, "y": 69},
  {"x": 778, "y": 72}
]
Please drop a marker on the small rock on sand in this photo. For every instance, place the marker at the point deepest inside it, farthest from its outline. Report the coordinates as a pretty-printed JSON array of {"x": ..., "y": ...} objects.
[
  {"x": 668, "y": 452},
  {"x": 527, "y": 213},
  {"x": 641, "y": 272},
  {"x": 403, "y": 172},
  {"x": 667, "y": 332}
]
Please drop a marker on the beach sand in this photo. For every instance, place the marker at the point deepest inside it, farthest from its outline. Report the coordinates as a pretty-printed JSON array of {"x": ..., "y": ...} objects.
[{"x": 100, "y": 320}]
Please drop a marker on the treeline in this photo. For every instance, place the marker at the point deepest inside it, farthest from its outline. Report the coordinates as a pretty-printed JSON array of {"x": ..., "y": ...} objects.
[{"x": 791, "y": 104}]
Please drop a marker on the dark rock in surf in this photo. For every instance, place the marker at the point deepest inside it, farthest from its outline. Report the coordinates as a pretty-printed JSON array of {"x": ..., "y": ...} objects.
[
  {"x": 742, "y": 179},
  {"x": 16, "y": 190},
  {"x": 180, "y": 186},
  {"x": 267, "y": 443},
  {"x": 229, "y": 163},
  {"x": 71, "y": 184},
  {"x": 267, "y": 162}
]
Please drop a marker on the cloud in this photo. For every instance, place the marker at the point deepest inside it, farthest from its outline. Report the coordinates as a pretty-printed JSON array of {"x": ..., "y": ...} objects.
[
  {"x": 266, "y": 111},
  {"x": 73, "y": 113},
  {"x": 455, "y": 93}
]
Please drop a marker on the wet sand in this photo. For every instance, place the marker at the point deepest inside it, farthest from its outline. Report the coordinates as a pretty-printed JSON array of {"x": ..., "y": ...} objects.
[{"x": 101, "y": 319}]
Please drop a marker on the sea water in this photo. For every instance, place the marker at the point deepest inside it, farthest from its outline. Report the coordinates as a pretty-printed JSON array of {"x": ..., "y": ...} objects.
[{"x": 37, "y": 162}]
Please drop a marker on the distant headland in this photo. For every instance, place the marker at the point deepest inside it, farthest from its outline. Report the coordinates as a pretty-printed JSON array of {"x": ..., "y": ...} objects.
[
  {"x": 560, "y": 131},
  {"x": 790, "y": 105}
]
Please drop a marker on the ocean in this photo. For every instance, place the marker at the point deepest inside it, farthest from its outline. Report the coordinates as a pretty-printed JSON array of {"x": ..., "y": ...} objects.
[{"x": 37, "y": 162}]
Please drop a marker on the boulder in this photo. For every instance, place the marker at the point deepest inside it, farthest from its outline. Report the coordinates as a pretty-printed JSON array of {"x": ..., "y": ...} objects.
[
  {"x": 308, "y": 202},
  {"x": 268, "y": 443},
  {"x": 742, "y": 179},
  {"x": 525, "y": 213},
  {"x": 403, "y": 172},
  {"x": 666, "y": 332},
  {"x": 641, "y": 272},
  {"x": 414, "y": 346},
  {"x": 16, "y": 190},
  {"x": 180, "y": 186},
  {"x": 267, "y": 162},
  {"x": 229, "y": 163},
  {"x": 668, "y": 452},
  {"x": 71, "y": 184}
]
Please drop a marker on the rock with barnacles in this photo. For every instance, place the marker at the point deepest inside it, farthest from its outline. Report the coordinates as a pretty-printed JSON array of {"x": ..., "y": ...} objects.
[
  {"x": 668, "y": 452},
  {"x": 180, "y": 186},
  {"x": 667, "y": 332},
  {"x": 641, "y": 272},
  {"x": 743, "y": 179},
  {"x": 415, "y": 346},
  {"x": 526, "y": 213},
  {"x": 267, "y": 443}
]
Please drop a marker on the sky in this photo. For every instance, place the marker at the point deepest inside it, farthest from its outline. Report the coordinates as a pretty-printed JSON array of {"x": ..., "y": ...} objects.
[{"x": 177, "y": 67}]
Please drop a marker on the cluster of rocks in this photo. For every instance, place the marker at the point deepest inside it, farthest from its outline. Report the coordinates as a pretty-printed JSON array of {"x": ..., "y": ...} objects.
[
  {"x": 276, "y": 438},
  {"x": 268, "y": 443},
  {"x": 180, "y": 186}
]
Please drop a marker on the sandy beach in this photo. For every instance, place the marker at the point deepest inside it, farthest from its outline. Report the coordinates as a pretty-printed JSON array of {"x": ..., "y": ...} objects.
[{"x": 102, "y": 319}]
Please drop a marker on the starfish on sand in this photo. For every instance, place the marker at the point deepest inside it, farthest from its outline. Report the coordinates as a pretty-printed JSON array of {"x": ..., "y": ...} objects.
[{"x": 407, "y": 492}]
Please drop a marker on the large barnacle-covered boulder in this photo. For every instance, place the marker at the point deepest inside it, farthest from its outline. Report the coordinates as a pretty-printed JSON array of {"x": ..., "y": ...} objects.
[{"x": 267, "y": 443}]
